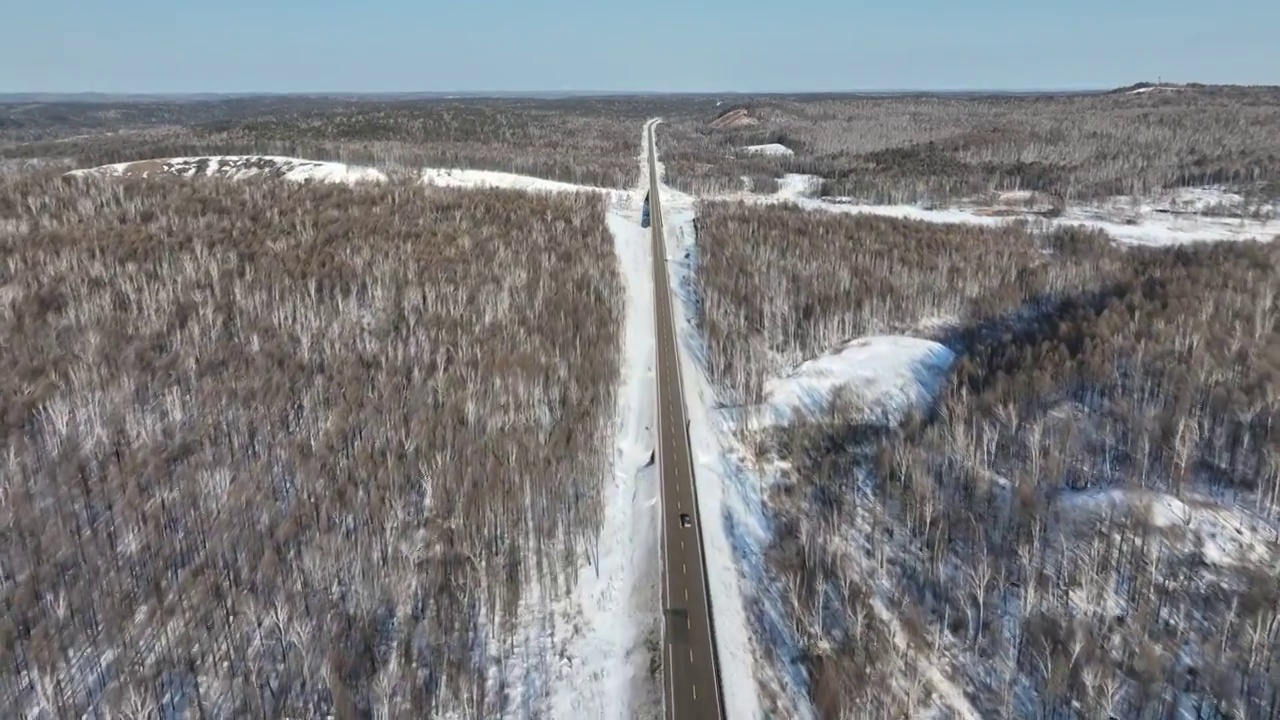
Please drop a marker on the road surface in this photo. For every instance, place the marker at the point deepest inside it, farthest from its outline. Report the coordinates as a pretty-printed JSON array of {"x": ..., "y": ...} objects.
[{"x": 692, "y": 681}]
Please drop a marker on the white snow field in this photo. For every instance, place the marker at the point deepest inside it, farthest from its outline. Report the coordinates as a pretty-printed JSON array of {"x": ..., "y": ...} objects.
[
  {"x": 455, "y": 177},
  {"x": 1142, "y": 224},
  {"x": 777, "y": 149},
  {"x": 1226, "y": 536},
  {"x": 240, "y": 167},
  {"x": 884, "y": 376},
  {"x": 1170, "y": 218}
]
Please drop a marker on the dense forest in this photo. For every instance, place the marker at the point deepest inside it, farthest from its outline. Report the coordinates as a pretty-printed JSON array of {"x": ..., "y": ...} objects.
[
  {"x": 1083, "y": 526},
  {"x": 940, "y": 148},
  {"x": 277, "y": 450}
]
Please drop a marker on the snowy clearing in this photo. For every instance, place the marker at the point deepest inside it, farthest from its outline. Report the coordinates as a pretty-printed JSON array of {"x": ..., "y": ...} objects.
[
  {"x": 1190, "y": 201},
  {"x": 768, "y": 149},
  {"x": 1225, "y": 536},
  {"x": 1171, "y": 218},
  {"x": 238, "y": 167},
  {"x": 884, "y": 376},
  {"x": 1151, "y": 228},
  {"x": 796, "y": 186},
  {"x": 453, "y": 177}
]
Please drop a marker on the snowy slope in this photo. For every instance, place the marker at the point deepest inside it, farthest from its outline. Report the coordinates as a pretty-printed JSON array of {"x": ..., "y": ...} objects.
[
  {"x": 1151, "y": 228},
  {"x": 1226, "y": 536},
  {"x": 453, "y": 177},
  {"x": 885, "y": 376},
  {"x": 777, "y": 149},
  {"x": 1171, "y": 218},
  {"x": 240, "y": 167}
]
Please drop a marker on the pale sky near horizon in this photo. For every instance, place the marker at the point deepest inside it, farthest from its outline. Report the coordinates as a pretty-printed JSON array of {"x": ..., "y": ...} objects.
[{"x": 174, "y": 46}]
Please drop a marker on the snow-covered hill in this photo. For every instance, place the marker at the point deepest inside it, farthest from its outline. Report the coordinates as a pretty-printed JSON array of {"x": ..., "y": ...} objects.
[
  {"x": 768, "y": 149},
  {"x": 240, "y": 167}
]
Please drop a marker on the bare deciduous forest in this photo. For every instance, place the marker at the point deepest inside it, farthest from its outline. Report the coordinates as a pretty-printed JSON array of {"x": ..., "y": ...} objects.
[
  {"x": 277, "y": 450},
  {"x": 589, "y": 141},
  {"x": 938, "y": 148},
  {"x": 1085, "y": 526}
]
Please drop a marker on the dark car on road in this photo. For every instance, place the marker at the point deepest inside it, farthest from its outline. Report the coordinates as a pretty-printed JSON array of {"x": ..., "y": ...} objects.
[{"x": 644, "y": 212}]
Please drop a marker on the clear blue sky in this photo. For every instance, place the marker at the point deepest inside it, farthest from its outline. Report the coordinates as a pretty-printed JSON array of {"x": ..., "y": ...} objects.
[{"x": 669, "y": 45}]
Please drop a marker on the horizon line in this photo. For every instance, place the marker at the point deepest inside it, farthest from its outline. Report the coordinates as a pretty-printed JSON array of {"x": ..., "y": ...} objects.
[{"x": 601, "y": 92}]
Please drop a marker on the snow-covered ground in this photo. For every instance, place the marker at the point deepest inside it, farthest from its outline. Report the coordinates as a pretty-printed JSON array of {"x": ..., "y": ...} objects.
[
  {"x": 453, "y": 177},
  {"x": 1151, "y": 89},
  {"x": 1171, "y": 218},
  {"x": 1209, "y": 200},
  {"x": 1143, "y": 228},
  {"x": 884, "y": 376},
  {"x": 239, "y": 167},
  {"x": 768, "y": 149},
  {"x": 604, "y": 661},
  {"x": 1226, "y": 536},
  {"x": 795, "y": 186}
]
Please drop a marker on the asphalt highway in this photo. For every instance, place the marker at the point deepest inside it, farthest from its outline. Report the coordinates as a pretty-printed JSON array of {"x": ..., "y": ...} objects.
[{"x": 691, "y": 674}]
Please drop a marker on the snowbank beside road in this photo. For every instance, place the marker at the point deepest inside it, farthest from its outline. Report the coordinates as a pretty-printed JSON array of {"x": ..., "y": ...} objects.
[{"x": 604, "y": 658}]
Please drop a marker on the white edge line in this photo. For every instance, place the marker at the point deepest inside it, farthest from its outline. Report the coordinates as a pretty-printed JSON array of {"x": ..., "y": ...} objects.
[
  {"x": 669, "y": 700},
  {"x": 697, "y": 526}
]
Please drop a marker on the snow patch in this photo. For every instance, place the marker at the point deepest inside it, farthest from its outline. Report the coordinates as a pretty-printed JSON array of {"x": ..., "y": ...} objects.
[
  {"x": 777, "y": 149},
  {"x": 1154, "y": 229},
  {"x": 884, "y": 376},
  {"x": 238, "y": 167},
  {"x": 451, "y": 177},
  {"x": 797, "y": 186},
  {"x": 1151, "y": 89},
  {"x": 1209, "y": 200},
  {"x": 1225, "y": 536}
]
